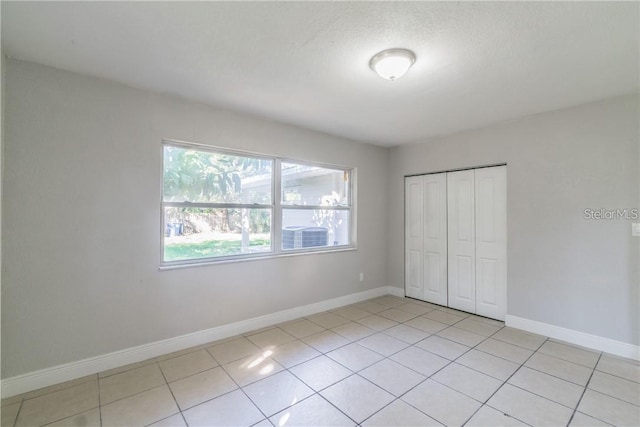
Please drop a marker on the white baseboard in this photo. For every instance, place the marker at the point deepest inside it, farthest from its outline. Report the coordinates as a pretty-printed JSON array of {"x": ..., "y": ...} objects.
[
  {"x": 572, "y": 336},
  {"x": 69, "y": 371},
  {"x": 396, "y": 292}
]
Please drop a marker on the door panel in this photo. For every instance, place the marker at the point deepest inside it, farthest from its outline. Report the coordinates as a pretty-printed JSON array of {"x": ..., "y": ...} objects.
[
  {"x": 461, "y": 240},
  {"x": 491, "y": 241},
  {"x": 414, "y": 236},
  {"x": 414, "y": 273},
  {"x": 415, "y": 209},
  {"x": 463, "y": 267},
  {"x": 486, "y": 282},
  {"x": 435, "y": 238},
  {"x": 432, "y": 275}
]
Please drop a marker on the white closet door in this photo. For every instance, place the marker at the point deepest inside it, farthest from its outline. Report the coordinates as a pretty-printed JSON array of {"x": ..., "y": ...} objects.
[
  {"x": 414, "y": 237},
  {"x": 461, "y": 237},
  {"x": 435, "y": 238},
  {"x": 491, "y": 241}
]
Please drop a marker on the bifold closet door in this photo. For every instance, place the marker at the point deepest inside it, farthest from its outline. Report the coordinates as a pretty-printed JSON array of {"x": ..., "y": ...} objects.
[
  {"x": 435, "y": 238},
  {"x": 461, "y": 239},
  {"x": 491, "y": 241},
  {"x": 414, "y": 226},
  {"x": 456, "y": 240},
  {"x": 426, "y": 238}
]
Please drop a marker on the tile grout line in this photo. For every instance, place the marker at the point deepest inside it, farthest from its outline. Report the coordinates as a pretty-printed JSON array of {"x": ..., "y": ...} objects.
[
  {"x": 99, "y": 401},
  {"x": 384, "y": 357},
  {"x": 516, "y": 345},
  {"x": 143, "y": 391},
  {"x": 318, "y": 393},
  {"x": 453, "y": 361},
  {"x": 230, "y": 391},
  {"x": 570, "y": 361},
  {"x": 614, "y": 397},
  {"x": 505, "y": 382},
  {"x": 500, "y": 357},
  {"x": 172, "y": 394},
  {"x": 468, "y": 367},
  {"x": 134, "y": 394},
  {"x": 400, "y": 396},
  {"x": 64, "y": 417},
  {"x": 585, "y": 390},
  {"x": 15, "y": 421},
  {"x": 154, "y": 387},
  {"x": 555, "y": 376},
  {"x": 241, "y": 388},
  {"x": 617, "y": 376},
  {"x": 544, "y": 397},
  {"x": 61, "y": 389},
  {"x": 554, "y": 357},
  {"x": 356, "y": 373},
  {"x": 432, "y": 374},
  {"x": 151, "y": 362}
]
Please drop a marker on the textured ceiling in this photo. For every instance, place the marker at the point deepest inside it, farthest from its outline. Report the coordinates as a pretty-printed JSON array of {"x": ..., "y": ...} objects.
[{"x": 306, "y": 63}]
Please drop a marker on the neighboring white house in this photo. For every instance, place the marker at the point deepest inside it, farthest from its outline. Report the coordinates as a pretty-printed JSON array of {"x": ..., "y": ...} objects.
[{"x": 306, "y": 186}]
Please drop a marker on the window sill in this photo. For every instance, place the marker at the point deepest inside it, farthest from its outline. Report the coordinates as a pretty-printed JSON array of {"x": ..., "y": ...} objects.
[{"x": 286, "y": 254}]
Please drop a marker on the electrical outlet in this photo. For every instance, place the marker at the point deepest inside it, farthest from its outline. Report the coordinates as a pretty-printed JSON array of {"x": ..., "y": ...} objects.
[{"x": 362, "y": 277}]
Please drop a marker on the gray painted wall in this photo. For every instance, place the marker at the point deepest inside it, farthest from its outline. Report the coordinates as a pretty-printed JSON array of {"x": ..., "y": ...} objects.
[
  {"x": 81, "y": 240},
  {"x": 563, "y": 270},
  {"x": 2, "y": 122}
]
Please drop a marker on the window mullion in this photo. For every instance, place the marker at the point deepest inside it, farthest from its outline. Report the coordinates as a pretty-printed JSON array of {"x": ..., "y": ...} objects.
[
  {"x": 277, "y": 203},
  {"x": 216, "y": 205},
  {"x": 317, "y": 207}
]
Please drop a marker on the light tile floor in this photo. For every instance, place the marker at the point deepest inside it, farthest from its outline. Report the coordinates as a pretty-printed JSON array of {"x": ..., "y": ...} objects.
[{"x": 385, "y": 362}]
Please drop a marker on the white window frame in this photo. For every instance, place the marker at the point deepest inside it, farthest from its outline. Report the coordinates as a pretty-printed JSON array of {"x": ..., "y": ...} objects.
[{"x": 277, "y": 208}]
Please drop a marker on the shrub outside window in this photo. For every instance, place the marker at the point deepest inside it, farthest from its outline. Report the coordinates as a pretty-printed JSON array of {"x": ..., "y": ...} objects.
[{"x": 219, "y": 205}]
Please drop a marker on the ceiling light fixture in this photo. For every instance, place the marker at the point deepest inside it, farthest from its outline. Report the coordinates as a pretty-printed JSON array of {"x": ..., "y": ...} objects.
[{"x": 391, "y": 64}]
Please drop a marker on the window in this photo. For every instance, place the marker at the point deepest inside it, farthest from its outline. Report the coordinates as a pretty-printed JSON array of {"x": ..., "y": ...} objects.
[
  {"x": 315, "y": 206},
  {"x": 219, "y": 204}
]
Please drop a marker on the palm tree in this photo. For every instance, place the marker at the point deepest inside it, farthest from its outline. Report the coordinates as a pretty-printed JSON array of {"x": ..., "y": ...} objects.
[{"x": 198, "y": 176}]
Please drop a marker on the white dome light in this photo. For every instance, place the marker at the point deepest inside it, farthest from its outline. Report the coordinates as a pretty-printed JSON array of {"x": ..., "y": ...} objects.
[{"x": 392, "y": 64}]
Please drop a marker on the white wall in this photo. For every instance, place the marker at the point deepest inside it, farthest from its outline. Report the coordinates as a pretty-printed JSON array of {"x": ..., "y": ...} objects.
[
  {"x": 563, "y": 270},
  {"x": 81, "y": 239}
]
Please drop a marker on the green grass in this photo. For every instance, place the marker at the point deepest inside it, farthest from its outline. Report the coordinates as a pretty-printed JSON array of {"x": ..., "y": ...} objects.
[{"x": 211, "y": 248}]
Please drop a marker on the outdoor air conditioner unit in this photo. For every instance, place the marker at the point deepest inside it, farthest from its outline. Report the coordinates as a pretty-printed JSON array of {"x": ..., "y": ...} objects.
[{"x": 294, "y": 237}]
